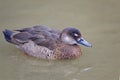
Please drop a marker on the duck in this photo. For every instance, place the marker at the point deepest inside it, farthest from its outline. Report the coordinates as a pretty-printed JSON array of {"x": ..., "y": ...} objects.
[{"x": 47, "y": 43}]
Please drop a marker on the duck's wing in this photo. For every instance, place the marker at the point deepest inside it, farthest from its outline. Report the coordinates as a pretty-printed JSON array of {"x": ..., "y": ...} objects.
[
  {"x": 45, "y": 38},
  {"x": 40, "y": 35}
]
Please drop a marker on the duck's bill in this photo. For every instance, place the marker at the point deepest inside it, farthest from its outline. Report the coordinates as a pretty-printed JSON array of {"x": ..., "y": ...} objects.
[{"x": 84, "y": 42}]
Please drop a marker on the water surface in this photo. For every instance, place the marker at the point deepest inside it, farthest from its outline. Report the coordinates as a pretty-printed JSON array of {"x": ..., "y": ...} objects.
[{"x": 98, "y": 21}]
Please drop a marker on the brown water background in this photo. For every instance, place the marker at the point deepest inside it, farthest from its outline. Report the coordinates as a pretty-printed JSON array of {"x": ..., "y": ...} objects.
[{"x": 98, "y": 21}]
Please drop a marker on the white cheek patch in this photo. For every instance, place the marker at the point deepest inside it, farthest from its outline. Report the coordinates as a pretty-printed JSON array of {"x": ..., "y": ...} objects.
[{"x": 69, "y": 40}]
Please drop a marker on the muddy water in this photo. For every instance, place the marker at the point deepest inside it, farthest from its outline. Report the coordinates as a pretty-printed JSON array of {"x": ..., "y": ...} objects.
[{"x": 98, "y": 21}]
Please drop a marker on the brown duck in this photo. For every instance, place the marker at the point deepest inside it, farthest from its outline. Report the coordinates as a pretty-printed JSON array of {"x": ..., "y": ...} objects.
[{"x": 46, "y": 43}]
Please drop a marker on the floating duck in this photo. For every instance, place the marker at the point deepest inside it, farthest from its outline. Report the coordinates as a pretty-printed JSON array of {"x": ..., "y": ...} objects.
[{"x": 46, "y": 43}]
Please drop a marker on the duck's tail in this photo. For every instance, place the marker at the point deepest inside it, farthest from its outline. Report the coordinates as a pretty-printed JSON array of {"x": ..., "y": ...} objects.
[{"x": 8, "y": 35}]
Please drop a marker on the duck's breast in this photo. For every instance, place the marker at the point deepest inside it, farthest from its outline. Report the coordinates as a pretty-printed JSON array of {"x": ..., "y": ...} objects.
[{"x": 64, "y": 51}]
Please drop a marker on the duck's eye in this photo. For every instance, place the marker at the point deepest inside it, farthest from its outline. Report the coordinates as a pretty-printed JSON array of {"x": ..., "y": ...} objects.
[{"x": 76, "y": 35}]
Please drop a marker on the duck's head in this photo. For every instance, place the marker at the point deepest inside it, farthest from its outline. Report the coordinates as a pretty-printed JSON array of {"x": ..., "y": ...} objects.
[{"x": 73, "y": 36}]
